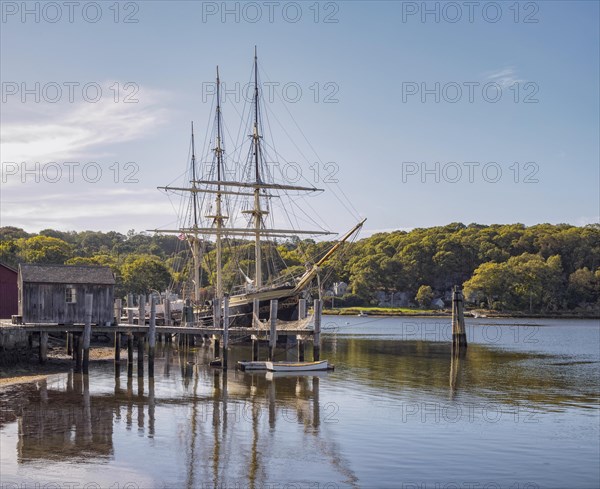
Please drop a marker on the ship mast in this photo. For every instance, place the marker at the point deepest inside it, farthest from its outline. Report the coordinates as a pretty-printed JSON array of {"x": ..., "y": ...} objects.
[
  {"x": 219, "y": 216},
  {"x": 195, "y": 244},
  {"x": 221, "y": 187},
  {"x": 257, "y": 212}
]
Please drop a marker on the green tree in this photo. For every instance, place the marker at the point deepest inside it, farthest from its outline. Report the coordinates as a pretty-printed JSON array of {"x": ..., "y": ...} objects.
[
  {"x": 491, "y": 282},
  {"x": 424, "y": 296},
  {"x": 143, "y": 273},
  {"x": 44, "y": 249},
  {"x": 9, "y": 253},
  {"x": 583, "y": 287}
]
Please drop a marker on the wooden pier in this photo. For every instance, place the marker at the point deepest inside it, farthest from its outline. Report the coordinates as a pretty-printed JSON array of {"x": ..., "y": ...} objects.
[{"x": 78, "y": 335}]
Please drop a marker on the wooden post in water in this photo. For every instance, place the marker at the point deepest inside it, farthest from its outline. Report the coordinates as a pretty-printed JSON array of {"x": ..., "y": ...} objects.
[
  {"x": 117, "y": 347},
  {"x": 141, "y": 309},
  {"x": 118, "y": 314},
  {"x": 130, "y": 336},
  {"x": 69, "y": 343},
  {"x": 151, "y": 337},
  {"x": 459, "y": 335},
  {"x": 130, "y": 308},
  {"x": 129, "y": 355},
  {"x": 225, "y": 331},
  {"x": 43, "y": 346},
  {"x": 167, "y": 309},
  {"x": 118, "y": 310},
  {"x": 300, "y": 338},
  {"x": 273, "y": 331},
  {"x": 140, "y": 354},
  {"x": 317, "y": 334},
  {"x": 141, "y": 337},
  {"x": 87, "y": 332},
  {"x": 217, "y": 324},
  {"x": 77, "y": 351}
]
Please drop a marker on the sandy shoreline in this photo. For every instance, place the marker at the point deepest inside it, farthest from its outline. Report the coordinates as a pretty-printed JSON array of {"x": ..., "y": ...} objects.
[{"x": 58, "y": 362}]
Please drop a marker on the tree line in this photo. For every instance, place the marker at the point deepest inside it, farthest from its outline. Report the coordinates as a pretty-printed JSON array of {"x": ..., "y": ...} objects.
[{"x": 512, "y": 267}]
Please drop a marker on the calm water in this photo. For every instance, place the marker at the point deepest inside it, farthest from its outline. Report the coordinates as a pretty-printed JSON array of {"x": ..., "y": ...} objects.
[{"x": 519, "y": 410}]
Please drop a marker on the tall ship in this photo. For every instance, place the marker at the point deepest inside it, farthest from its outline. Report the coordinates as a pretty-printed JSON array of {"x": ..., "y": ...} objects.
[{"x": 230, "y": 211}]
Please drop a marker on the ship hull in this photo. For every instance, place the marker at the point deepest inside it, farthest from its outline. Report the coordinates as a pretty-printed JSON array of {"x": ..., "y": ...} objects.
[{"x": 240, "y": 313}]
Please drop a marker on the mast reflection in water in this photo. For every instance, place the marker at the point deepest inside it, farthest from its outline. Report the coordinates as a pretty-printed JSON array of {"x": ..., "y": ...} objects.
[{"x": 397, "y": 409}]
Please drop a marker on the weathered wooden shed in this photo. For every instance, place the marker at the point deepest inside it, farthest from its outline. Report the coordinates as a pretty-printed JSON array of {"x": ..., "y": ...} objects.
[
  {"x": 8, "y": 292},
  {"x": 56, "y": 293}
]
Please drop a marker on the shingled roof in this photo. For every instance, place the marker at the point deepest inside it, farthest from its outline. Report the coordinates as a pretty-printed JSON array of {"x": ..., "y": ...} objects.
[{"x": 67, "y": 274}]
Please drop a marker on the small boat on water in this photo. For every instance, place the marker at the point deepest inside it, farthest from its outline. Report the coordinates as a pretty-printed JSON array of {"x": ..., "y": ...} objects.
[
  {"x": 362, "y": 314},
  {"x": 249, "y": 365},
  {"x": 288, "y": 375},
  {"x": 297, "y": 366}
]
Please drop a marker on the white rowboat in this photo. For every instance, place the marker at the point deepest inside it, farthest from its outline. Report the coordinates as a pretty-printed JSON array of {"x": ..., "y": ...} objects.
[{"x": 296, "y": 366}]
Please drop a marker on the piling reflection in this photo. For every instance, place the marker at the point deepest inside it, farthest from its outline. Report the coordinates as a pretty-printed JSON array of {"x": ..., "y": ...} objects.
[
  {"x": 456, "y": 357},
  {"x": 66, "y": 424},
  {"x": 228, "y": 425},
  {"x": 492, "y": 373}
]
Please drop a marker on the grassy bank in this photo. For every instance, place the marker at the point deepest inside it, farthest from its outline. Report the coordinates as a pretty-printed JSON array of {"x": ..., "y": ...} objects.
[
  {"x": 385, "y": 311},
  {"x": 406, "y": 311}
]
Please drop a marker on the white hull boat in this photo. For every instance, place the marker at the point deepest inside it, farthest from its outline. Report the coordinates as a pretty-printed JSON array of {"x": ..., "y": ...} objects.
[{"x": 297, "y": 366}]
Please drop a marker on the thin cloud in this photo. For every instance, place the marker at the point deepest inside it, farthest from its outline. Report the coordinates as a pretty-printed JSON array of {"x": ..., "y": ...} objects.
[
  {"x": 505, "y": 77},
  {"x": 76, "y": 130},
  {"x": 82, "y": 210}
]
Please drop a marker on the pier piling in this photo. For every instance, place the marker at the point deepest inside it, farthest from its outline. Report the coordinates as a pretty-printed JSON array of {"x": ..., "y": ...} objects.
[
  {"x": 300, "y": 348},
  {"x": 217, "y": 324},
  {"x": 140, "y": 355},
  {"x": 87, "y": 332},
  {"x": 273, "y": 331},
  {"x": 142, "y": 309},
  {"x": 151, "y": 337},
  {"x": 167, "y": 309},
  {"x": 77, "y": 344},
  {"x": 117, "y": 347},
  {"x": 225, "y": 331},
  {"x": 43, "y": 346},
  {"x": 118, "y": 314},
  {"x": 129, "y": 336},
  {"x": 130, "y": 308},
  {"x": 459, "y": 335},
  {"x": 118, "y": 310},
  {"x": 129, "y": 355},
  {"x": 300, "y": 339},
  {"x": 318, "y": 305}
]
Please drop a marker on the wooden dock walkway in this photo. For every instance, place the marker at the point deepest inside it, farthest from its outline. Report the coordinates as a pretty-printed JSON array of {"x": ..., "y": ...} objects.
[
  {"x": 78, "y": 335},
  {"x": 193, "y": 329}
]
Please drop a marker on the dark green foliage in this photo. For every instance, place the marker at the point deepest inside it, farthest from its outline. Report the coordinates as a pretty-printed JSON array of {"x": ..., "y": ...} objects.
[{"x": 539, "y": 268}]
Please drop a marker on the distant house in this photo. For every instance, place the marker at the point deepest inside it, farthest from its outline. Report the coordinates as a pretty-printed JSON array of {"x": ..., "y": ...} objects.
[
  {"x": 340, "y": 288},
  {"x": 56, "y": 293},
  {"x": 9, "y": 302}
]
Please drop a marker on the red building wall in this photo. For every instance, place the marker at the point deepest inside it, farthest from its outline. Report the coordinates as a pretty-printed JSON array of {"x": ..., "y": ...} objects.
[{"x": 9, "y": 295}]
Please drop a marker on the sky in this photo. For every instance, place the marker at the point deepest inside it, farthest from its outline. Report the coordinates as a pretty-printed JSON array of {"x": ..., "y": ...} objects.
[{"x": 409, "y": 114}]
